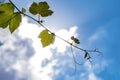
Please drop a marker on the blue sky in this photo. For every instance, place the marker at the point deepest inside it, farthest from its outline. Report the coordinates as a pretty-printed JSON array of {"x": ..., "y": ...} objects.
[{"x": 96, "y": 24}]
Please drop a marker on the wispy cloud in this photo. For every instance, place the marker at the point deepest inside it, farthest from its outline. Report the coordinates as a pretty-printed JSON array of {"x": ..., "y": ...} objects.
[{"x": 99, "y": 34}]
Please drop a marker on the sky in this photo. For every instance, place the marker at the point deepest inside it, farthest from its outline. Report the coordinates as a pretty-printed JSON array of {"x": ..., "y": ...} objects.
[{"x": 96, "y": 24}]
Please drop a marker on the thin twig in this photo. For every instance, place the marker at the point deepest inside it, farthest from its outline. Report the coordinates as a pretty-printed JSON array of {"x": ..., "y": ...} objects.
[
  {"x": 72, "y": 45},
  {"x": 75, "y": 61},
  {"x": 43, "y": 26}
]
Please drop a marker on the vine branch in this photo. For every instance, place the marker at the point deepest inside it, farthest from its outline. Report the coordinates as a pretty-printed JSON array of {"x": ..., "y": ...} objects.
[{"x": 86, "y": 52}]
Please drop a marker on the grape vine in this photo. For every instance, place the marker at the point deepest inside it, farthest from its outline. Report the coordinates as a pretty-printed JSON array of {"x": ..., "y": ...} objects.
[{"x": 8, "y": 17}]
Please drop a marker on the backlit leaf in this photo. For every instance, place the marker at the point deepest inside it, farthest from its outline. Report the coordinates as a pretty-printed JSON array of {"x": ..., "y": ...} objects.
[
  {"x": 46, "y": 38},
  {"x": 34, "y": 8},
  {"x": 41, "y": 8},
  {"x": 6, "y": 12},
  {"x": 8, "y": 17},
  {"x": 46, "y": 13},
  {"x": 23, "y": 10},
  {"x": 75, "y": 40},
  {"x": 15, "y": 21}
]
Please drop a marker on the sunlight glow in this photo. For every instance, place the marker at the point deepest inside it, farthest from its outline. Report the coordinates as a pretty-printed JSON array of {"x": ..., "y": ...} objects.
[{"x": 31, "y": 31}]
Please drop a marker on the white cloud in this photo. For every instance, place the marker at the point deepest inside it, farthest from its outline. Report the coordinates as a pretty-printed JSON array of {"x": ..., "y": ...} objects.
[
  {"x": 31, "y": 31},
  {"x": 16, "y": 49},
  {"x": 39, "y": 66},
  {"x": 94, "y": 69},
  {"x": 4, "y": 34},
  {"x": 65, "y": 34},
  {"x": 90, "y": 71},
  {"x": 14, "y": 53},
  {"x": 92, "y": 76}
]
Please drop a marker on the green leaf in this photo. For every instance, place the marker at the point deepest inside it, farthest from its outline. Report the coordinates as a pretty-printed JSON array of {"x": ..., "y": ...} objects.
[
  {"x": 44, "y": 10},
  {"x": 46, "y": 13},
  {"x": 8, "y": 17},
  {"x": 15, "y": 22},
  {"x": 41, "y": 8},
  {"x": 46, "y": 38},
  {"x": 34, "y": 8},
  {"x": 75, "y": 40},
  {"x": 6, "y": 12},
  {"x": 72, "y": 38},
  {"x": 23, "y": 10}
]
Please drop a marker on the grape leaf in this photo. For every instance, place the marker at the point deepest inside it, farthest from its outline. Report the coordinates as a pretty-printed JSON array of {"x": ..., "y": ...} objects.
[
  {"x": 46, "y": 38},
  {"x": 41, "y": 8},
  {"x": 6, "y": 12},
  {"x": 34, "y": 8},
  {"x": 75, "y": 40},
  {"x": 8, "y": 17},
  {"x": 14, "y": 22},
  {"x": 23, "y": 10}
]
